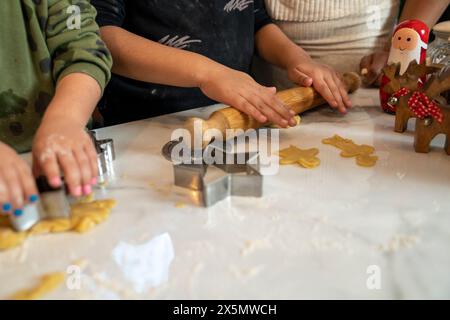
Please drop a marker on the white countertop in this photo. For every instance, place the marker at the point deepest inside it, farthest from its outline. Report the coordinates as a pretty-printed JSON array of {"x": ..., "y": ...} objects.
[{"x": 313, "y": 234}]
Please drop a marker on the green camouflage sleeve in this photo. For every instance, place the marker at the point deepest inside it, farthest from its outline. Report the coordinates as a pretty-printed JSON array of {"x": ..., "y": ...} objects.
[{"x": 74, "y": 42}]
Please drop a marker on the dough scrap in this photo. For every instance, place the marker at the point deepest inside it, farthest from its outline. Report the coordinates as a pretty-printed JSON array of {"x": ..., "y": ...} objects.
[
  {"x": 84, "y": 217},
  {"x": 47, "y": 284},
  {"x": 306, "y": 158},
  {"x": 399, "y": 242},
  {"x": 180, "y": 205},
  {"x": 362, "y": 153}
]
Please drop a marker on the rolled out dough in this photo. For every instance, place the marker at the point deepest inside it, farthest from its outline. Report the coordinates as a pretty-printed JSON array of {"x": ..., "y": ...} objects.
[
  {"x": 84, "y": 217},
  {"x": 362, "y": 153}
]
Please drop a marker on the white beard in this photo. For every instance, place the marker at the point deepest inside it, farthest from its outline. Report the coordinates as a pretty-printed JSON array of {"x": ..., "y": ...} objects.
[{"x": 404, "y": 57}]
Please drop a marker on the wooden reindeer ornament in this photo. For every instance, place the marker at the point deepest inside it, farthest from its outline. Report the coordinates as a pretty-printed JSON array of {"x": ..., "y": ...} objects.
[
  {"x": 428, "y": 128},
  {"x": 414, "y": 99}
]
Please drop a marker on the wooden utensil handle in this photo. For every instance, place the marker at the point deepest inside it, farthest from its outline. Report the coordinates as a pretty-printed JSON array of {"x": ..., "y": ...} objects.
[{"x": 299, "y": 99}]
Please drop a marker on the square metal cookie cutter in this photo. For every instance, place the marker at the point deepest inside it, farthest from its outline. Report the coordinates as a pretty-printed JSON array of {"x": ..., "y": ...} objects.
[
  {"x": 55, "y": 203},
  {"x": 105, "y": 156},
  {"x": 235, "y": 174}
]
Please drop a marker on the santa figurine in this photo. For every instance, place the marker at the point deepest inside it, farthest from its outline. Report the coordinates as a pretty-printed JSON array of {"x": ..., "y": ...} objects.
[{"x": 409, "y": 42}]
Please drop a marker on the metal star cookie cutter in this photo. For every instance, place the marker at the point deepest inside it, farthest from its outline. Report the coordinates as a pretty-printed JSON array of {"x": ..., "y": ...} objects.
[{"x": 234, "y": 174}]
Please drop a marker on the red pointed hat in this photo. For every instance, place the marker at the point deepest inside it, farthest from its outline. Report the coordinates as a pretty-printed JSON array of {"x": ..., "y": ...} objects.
[{"x": 419, "y": 26}]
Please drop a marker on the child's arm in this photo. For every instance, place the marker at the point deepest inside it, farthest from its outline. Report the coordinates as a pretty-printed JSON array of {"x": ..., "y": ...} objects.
[
  {"x": 428, "y": 11},
  {"x": 81, "y": 67},
  {"x": 149, "y": 61},
  {"x": 62, "y": 142},
  {"x": 275, "y": 47},
  {"x": 16, "y": 182}
]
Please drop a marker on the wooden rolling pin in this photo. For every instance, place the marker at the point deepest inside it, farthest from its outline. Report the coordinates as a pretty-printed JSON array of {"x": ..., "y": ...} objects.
[{"x": 299, "y": 99}]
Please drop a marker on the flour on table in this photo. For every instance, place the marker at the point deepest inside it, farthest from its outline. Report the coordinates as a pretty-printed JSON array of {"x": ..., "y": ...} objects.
[
  {"x": 253, "y": 245},
  {"x": 324, "y": 244},
  {"x": 401, "y": 175},
  {"x": 246, "y": 273},
  {"x": 199, "y": 266}
]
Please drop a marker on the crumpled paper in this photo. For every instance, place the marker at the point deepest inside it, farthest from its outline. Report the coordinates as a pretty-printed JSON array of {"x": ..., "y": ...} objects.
[{"x": 146, "y": 265}]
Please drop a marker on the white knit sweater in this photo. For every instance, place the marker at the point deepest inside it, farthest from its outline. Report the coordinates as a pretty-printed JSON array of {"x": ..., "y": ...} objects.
[{"x": 336, "y": 32}]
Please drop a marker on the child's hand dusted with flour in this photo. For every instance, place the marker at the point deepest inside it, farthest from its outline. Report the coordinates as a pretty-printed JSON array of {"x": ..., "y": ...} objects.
[
  {"x": 51, "y": 81},
  {"x": 61, "y": 144},
  {"x": 61, "y": 147}
]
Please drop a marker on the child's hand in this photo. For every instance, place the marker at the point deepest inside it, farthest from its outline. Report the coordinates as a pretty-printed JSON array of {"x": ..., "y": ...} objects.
[
  {"x": 371, "y": 67},
  {"x": 17, "y": 186},
  {"x": 239, "y": 90},
  {"x": 64, "y": 146},
  {"x": 324, "y": 79}
]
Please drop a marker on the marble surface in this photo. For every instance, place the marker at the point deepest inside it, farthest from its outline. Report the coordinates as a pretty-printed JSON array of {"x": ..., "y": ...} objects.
[{"x": 314, "y": 234}]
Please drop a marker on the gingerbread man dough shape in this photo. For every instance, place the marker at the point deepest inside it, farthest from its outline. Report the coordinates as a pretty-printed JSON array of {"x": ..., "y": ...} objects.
[{"x": 363, "y": 153}]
